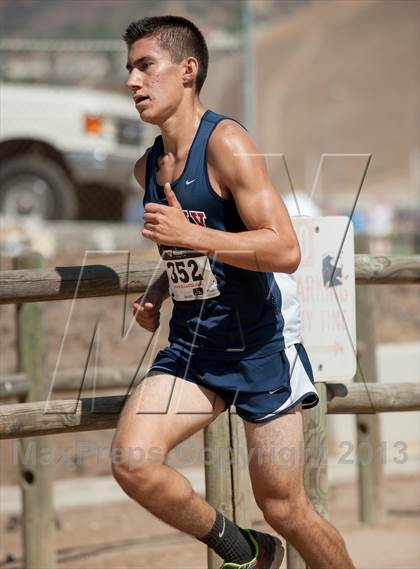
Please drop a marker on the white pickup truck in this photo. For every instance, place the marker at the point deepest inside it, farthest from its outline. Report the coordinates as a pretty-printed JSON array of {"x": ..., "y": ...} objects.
[{"x": 68, "y": 152}]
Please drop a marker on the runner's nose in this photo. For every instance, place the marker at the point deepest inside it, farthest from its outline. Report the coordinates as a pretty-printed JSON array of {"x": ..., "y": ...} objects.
[{"x": 135, "y": 80}]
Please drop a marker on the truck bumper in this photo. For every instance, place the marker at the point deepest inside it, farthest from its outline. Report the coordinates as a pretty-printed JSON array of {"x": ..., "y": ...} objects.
[{"x": 103, "y": 168}]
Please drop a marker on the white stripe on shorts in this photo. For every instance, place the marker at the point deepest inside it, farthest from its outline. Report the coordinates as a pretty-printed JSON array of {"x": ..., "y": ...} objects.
[{"x": 300, "y": 383}]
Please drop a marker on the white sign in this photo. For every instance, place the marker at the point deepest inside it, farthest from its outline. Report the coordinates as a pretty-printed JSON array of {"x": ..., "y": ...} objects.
[{"x": 326, "y": 291}]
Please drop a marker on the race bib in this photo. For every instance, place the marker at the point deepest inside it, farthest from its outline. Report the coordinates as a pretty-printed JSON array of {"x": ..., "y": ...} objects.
[{"x": 189, "y": 274}]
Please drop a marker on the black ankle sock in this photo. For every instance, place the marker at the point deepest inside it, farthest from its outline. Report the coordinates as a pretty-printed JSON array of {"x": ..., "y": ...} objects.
[{"x": 229, "y": 541}]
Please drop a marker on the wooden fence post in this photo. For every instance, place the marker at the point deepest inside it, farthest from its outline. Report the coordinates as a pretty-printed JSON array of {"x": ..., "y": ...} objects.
[
  {"x": 241, "y": 482},
  {"x": 218, "y": 473},
  {"x": 316, "y": 464},
  {"x": 228, "y": 485},
  {"x": 38, "y": 519},
  {"x": 367, "y": 425}
]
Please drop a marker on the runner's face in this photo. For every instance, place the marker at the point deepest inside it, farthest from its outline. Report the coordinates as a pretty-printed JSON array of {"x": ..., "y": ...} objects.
[{"x": 152, "y": 75}]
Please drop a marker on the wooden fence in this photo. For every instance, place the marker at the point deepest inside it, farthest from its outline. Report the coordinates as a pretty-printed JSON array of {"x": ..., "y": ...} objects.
[{"x": 227, "y": 487}]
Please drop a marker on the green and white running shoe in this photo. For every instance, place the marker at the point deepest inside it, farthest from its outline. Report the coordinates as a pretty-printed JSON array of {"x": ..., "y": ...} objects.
[{"x": 269, "y": 552}]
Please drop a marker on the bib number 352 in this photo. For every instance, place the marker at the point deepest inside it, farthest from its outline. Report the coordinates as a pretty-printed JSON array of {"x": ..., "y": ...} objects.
[
  {"x": 190, "y": 276},
  {"x": 184, "y": 271}
]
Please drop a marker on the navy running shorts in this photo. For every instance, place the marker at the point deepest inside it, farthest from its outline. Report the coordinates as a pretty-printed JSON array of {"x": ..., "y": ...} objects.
[{"x": 261, "y": 388}]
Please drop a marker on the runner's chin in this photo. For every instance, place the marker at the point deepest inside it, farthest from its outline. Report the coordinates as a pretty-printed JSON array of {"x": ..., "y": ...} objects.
[{"x": 145, "y": 111}]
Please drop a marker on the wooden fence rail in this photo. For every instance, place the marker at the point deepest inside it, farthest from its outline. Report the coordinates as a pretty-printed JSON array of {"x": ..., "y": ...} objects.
[
  {"x": 343, "y": 397},
  {"x": 392, "y": 269},
  {"x": 94, "y": 413},
  {"x": 61, "y": 283},
  {"x": 17, "y": 384}
]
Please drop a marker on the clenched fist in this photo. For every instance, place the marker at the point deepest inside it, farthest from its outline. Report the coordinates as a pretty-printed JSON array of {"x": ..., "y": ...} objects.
[
  {"x": 146, "y": 310},
  {"x": 166, "y": 224}
]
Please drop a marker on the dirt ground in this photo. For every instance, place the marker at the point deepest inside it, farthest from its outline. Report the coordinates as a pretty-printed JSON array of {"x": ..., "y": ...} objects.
[{"x": 124, "y": 535}]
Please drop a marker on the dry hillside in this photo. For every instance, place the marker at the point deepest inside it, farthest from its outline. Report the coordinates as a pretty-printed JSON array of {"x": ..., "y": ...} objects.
[
  {"x": 336, "y": 77},
  {"x": 107, "y": 19}
]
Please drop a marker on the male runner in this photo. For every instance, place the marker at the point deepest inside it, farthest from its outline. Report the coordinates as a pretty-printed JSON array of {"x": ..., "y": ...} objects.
[{"x": 222, "y": 230}]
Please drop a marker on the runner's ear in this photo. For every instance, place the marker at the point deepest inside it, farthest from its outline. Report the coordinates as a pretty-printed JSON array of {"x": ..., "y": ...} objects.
[{"x": 190, "y": 71}]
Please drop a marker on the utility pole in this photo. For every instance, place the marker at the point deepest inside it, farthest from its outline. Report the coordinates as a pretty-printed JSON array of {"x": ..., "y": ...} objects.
[{"x": 248, "y": 68}]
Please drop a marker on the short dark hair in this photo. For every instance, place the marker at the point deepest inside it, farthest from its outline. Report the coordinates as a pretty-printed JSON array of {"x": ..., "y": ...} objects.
[{"x": 178, "y": 35}]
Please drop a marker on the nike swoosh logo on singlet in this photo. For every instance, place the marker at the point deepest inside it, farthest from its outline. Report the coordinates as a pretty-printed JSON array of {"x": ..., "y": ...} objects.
[{"x": 188, "y": 182}]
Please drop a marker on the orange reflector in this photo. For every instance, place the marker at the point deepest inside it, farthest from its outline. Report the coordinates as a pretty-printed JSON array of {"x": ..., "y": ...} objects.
[{"x": 93, "y": 124}]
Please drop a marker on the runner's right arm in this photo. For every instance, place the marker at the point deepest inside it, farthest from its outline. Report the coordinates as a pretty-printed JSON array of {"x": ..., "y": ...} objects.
[{"x": 146, "y": 309}]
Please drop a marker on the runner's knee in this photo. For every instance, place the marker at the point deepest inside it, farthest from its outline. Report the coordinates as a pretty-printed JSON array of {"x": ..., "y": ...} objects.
[
  {"x": 284, "y": 514},
  {"x": 133, "y": 466}
]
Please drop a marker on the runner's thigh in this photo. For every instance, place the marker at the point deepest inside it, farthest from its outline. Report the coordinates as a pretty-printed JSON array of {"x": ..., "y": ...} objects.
[
  {"x": 275, "y": 449},
  {"x": 164, "y": 410}
]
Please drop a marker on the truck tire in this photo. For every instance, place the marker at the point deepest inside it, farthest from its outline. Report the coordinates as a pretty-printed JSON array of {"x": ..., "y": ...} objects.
[{"x": 36, "y": 185}]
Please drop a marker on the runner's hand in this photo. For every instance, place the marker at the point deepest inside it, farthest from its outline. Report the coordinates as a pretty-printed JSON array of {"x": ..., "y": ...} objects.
[
  {"x": 146, "y": 310},
  {"x": 166, "y": 224}
]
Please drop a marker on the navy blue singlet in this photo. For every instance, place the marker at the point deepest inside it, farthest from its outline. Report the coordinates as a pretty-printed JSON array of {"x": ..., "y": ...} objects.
[{"x": 244, "y": 320}]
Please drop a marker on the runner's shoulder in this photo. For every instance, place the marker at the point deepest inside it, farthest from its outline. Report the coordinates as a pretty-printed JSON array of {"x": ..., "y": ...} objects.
[
  {"x": 140, "y": 168},
  {"x": 229, "y": 138}
]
